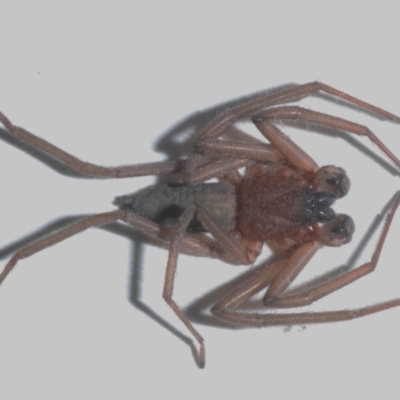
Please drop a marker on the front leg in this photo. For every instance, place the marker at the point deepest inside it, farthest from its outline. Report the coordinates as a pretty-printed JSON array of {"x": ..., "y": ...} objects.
[
  {"x": 279, "y": 276},
  {"x": 293, "y": 113},
  {"x": 251, "y": 108},
  {"x": 177, "y": 240}
]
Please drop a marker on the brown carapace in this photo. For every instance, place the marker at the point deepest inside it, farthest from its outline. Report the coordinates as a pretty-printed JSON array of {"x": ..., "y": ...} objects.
[
  {"x": 275, "y": 203},
  {"x": 267, "y": 193}
]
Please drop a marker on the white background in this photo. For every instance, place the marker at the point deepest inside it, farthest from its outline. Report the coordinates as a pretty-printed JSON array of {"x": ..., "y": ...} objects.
[{"x": 106, "y": 81}]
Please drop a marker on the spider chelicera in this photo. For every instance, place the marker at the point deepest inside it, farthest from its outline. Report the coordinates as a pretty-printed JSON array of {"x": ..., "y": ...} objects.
[{"x": 282, "y": 199}]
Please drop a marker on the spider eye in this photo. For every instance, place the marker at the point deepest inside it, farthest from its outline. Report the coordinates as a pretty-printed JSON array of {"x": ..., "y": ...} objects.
[
  {"x": 338, "y": 231},
  {"x": 332, "y": 179}
]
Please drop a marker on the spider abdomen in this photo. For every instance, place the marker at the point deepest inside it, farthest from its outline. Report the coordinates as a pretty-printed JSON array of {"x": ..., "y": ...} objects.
[{"x": 164, "y": 203}]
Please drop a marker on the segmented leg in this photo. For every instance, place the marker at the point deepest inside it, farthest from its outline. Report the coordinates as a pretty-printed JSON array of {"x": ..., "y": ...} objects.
[
  {"x": 226, "y": 308},
  {"x": 299, "y": 113},
  {"x": 253, "y": 107},
  {"x": 191, "y": 245},
  {"x": 85, "y": 168},
  {"x": 217, "y": 126},
  {"x": 316, "y": 293},
  {"x": 177, "y": 236},
  {"x": 226, "y": 241}
]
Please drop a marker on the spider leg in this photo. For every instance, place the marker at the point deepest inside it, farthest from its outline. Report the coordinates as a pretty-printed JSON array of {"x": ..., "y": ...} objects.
[
  {"x": 277, "y": 276},
  {"x": 226, "y": 308},
  {"x": 224, "y": 238},
  {"x": 256, "y": 320},
  {"x": 216, "y": 161},
  {"x": 294, "y": 153},
  {"x": 295, "y": 112},
  {"x": 190, "y": 245},
  {"x": 177, "y": 236},
  {"x": 249, "y": 108},
  {"x": 218, "y": 125},
  {"x": 289, "y": 272},
  {"x": 122, "y": 171},
  {"x": 75, "y": 228},
  {"x": 228, "y": 243},
  {"x": 316, "y": 293},
  {"x": 218, "y": 169},
  {"x": 239, "y": 149}
]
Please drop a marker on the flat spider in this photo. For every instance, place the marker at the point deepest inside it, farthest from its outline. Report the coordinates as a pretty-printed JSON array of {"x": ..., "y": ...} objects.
[{"x": 283, "y": 199}]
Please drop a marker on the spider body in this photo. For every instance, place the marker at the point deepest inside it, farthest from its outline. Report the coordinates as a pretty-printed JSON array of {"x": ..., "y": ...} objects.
[
  {"x": 283, "y": 198},
  {"x": 271, "y": 202}
]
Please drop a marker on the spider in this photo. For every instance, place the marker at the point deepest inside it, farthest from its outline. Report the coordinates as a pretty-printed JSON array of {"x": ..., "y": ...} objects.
[{"x": 282, "y": 199}]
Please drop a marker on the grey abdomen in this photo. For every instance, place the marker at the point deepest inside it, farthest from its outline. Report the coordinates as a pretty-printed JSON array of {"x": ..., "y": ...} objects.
[{"x": 164, "y": 203}]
